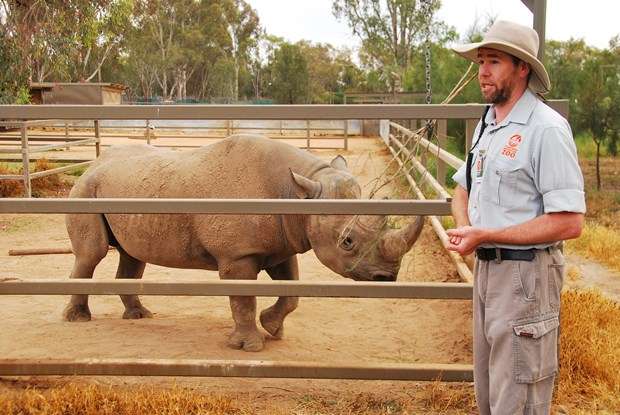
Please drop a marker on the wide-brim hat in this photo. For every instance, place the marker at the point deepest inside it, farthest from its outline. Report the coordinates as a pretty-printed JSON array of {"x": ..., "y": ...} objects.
[{"x": 514, "y": 39}]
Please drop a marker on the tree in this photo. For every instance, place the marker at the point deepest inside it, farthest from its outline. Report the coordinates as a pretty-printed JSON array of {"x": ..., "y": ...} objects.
[
  {"x": 244, "y": 30},
  {"x": 69, "y": 40},
  {"x": 289, "y": 74},
  {"x": 390, "y": 31},
  {"x": 599, "y": 99}
]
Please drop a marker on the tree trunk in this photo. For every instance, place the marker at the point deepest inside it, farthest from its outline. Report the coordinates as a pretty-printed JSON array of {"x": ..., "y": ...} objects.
[{"x": 598, "y": 165}]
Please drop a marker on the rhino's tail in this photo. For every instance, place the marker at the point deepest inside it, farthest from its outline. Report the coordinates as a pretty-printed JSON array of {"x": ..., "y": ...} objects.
[{"x": 111, "y": 238}]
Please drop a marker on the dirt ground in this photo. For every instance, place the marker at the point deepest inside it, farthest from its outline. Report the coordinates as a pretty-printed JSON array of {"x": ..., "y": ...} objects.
[{"x": 357, "y": 331}]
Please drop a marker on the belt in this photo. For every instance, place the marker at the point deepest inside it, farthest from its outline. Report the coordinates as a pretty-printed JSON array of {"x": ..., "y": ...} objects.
[{"x": 505, "y": 254}]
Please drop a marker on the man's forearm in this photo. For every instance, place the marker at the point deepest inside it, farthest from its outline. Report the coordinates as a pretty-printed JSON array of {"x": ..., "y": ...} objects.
[
  {"x": 459, "y": 207},
  {"x": 546, "y": 228}
]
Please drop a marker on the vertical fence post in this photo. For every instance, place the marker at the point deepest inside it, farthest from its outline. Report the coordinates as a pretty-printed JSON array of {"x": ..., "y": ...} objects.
[
  {"x": 98, "y": 139},
  {"x": 26, "y": 160},
  {"x": 346, "y": 135},
  {"x": 470, "y": 128},
  {"x": 281, "y": 130},
  {"x": 423, "y": 151},
  {"x": 442, "y": 139},
  {"x": 67, "y": 134},
  {"x": 308, "y": 134},
  {"x": 148, "y": 131}
]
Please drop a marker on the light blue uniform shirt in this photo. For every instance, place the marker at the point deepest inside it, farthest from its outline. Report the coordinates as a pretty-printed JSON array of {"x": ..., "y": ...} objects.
[{"x": 522, "y": 168}]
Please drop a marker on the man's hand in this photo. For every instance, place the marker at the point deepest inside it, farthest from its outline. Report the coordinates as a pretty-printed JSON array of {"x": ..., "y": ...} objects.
[{"x": 465, "y": 239}]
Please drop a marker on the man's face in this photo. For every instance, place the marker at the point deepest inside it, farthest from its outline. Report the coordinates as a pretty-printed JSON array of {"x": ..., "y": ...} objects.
[{"x": 497, "y": 75}]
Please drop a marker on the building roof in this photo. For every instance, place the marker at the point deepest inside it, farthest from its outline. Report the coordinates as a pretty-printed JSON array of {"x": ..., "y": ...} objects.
[{"x": 50, "y": 85}]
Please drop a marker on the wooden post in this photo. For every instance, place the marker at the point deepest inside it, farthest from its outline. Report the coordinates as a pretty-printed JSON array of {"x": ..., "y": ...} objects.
[
  {"x": 148, "y": 132},
  {"x": 308, "y": 134},
  {"x": 470, "y": 128},
  {"x": 98, "y": 137},
  {"x": 26, "y": 160},
  {"x": 67, "y": 134},
  {"x": 442, "y": 139},
  {"x": 281, "y": 130},
  {"x": 346, "y": 135},
  {"x": 539, "y": 10}
]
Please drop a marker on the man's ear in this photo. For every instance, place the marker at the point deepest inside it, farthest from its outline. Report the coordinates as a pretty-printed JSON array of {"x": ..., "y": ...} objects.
[
  {"x": 339, "y": 163},
  {"x": 305, "y": 188}
]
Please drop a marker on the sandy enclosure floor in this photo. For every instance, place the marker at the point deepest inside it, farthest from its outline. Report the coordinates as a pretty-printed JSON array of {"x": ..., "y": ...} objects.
[{"x": 357, "y": 331}]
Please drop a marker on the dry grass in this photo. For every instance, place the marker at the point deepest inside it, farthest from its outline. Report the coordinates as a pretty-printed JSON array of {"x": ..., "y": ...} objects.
[
  {"x": 97, "y": 400},
  {"x": 589, "y": 376},
  {"x": 599, "y": 243},
  {"x": 51, "y": 185},
  {"x": 74, "y": 399}
]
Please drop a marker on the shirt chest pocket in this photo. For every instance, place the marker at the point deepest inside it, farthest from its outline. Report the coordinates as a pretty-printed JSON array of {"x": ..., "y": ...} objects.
[{"x": 500, "y": 183}]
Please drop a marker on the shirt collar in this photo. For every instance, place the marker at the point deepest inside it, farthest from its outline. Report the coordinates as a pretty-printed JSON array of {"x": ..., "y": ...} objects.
[{"x": 519, "y": 114}]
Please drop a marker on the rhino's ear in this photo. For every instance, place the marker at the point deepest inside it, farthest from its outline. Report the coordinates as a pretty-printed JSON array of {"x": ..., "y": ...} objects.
[
  {"x": 305, "y": 188},
  {"x": 339, "y": 163}
]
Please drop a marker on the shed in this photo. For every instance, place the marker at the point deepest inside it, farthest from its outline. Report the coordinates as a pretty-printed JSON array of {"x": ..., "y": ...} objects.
[{"x": 76, "y": 93}]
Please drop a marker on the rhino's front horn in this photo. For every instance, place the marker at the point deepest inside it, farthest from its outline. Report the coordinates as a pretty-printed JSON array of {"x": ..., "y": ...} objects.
[{"x": 397, "y": 243}]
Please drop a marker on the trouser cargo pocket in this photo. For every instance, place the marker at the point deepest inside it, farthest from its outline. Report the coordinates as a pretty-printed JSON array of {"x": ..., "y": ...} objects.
[{"x": 535, "y": 348}]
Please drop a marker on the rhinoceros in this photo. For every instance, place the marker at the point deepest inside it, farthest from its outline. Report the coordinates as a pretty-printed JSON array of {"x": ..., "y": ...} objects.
[{"x": 238, "y": 246}]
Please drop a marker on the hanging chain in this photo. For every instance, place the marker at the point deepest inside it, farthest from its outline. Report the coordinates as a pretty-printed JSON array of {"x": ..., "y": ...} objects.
[{"x": 428, "y": 15}]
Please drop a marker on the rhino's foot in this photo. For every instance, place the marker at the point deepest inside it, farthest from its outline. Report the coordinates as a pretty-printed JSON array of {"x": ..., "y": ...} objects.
[
  {"x": 272, "y": 322},
  {"x": 135, "y": 313},
  {"x": 75, "y": 312},
  {"x": 250, "y": 341}
]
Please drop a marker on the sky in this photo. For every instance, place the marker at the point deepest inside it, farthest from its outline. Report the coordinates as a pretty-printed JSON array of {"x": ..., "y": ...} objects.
[{"x": 313, "y": 20}]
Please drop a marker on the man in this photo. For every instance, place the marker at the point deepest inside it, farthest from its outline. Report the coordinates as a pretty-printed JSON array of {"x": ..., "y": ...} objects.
[{"x": 526, "y": 196}]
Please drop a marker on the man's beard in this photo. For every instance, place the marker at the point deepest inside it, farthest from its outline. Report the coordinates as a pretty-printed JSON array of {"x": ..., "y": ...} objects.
[{"x": 499, "y": 97}]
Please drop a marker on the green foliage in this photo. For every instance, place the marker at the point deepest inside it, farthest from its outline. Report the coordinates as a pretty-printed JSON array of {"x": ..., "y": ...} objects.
[
  {"x": 13, "y": 76},
  {"x": 290, "y": 75},
  {"x": 391, "y": 31}
]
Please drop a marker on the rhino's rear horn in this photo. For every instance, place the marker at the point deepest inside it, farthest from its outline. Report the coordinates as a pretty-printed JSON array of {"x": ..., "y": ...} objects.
[{"x": 306, "y": 188}]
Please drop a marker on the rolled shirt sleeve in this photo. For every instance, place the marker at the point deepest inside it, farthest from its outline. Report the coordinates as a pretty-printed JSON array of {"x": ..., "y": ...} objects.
[
  {"x": 558, "y": 177},
  {"x": 460, "y": 175}
]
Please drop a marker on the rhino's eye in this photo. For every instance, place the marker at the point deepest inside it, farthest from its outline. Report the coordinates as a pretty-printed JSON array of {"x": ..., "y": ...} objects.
[{"x": 347, "y": 244}]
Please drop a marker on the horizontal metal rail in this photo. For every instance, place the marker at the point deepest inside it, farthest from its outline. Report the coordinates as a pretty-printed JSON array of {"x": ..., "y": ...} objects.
[
  {"x": 426, "y": 175},
  {"x": 235, "y": 368},
  {"x": 50, "y": 147},
  {"x": 431, "y": 148},
  {"x": 247, "y": 112},
  {"x": 228, "y": 206},
  {"x": 411, "y": 290},
  {"x": 59, "y": 169}
]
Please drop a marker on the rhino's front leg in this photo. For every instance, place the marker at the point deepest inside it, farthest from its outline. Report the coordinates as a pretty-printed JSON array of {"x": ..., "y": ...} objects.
[
  {"x": 245, "y": 335},
  {"x": 272, "y": 318}
]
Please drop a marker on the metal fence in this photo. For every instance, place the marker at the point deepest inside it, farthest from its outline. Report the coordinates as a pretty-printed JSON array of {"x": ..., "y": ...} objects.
[{"x": 245, "y": 368}]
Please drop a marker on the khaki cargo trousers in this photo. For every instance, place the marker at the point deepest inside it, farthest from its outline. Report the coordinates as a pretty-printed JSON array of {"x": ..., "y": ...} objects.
[{"x": 516, "y": 326}]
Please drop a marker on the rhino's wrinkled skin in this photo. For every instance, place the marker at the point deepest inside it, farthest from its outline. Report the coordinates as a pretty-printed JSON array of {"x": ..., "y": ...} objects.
[{"x": 241, "y": 166}]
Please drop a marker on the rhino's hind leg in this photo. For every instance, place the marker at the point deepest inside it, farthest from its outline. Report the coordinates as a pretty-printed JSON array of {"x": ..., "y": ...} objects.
[
  {"x": 245, "y": 335},
  {"x": 272, "y": 318},
  {"x": 89, "y": 240},
  {"x": 129, "y": 267}
]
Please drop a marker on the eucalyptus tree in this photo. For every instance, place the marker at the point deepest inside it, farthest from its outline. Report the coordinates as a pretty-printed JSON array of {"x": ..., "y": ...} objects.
[
  {"x": 390, "y": 32},
  {"x": 65, "y": 40}
]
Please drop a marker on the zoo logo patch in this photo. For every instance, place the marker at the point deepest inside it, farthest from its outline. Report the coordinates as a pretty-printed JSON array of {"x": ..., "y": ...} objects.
[{"x": 510, "y": 150}]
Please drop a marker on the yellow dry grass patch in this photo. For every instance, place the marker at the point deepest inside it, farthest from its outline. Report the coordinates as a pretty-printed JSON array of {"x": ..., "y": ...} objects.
[
  {"x": 590, "y": 352},
  {"x": 40, "y": 186},
  {"x": 598, "y": 243},
  {"x": 97, "y": 400}
]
